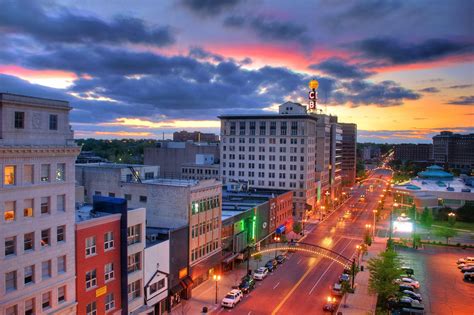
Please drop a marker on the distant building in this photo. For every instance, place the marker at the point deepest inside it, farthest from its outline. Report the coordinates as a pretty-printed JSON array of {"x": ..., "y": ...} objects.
[
  {"x": 204, "y": 168},
  {"x": 349, "y": 153},
  {"x": 37, "y": 155},
  {"x": 89, "y": 157},
  {"x": 454, "y": 150},
  {"x": 370, "y": 152},
  {"x": 173, "y": 156},
  {"x": 420, "y": 152},
  {"x": 196, "y": 136}
]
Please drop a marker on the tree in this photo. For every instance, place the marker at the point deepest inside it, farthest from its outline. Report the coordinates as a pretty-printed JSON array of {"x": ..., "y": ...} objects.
[
  {"x": 258, "y": 258},
  {"x": 384, "y": 269},
  {"x": 367, "y": 237},
  {"x": 297, "y": 227},
  {"x": 445, "y": 232},
  {"x": 426, "y": 218},
  {"x": 345, "y": 290},
  {"x": 412, "y": 212}
]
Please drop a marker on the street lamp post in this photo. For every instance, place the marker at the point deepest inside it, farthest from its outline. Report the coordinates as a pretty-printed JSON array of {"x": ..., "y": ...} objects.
[
  {"x": 451, "y": 218},
  {"x": 375, "y": 213},
  {"x": 216, "y": 278}
]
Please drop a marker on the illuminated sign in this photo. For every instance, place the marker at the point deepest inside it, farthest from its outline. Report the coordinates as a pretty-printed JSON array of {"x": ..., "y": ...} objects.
[
  {"x": 312, "y": 105},
  {"x": 313, "y": 84},
  {"x": 101, "y": 291},
  {"x": 403, "y": 226},
  {"x": 312, "y": 95},
  {"x": 183, "y": 273}
]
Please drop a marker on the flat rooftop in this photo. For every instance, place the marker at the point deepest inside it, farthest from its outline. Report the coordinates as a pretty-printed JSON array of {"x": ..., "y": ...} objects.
[
  {"x": 229, "y": 214},
  {"x": 111, "y": 165},
  {"x": 31, "y": 100},
  {"x": 86, "y": 212},
  {"x": 424, "y": 185},
  {"x": 171, "y": 182}
]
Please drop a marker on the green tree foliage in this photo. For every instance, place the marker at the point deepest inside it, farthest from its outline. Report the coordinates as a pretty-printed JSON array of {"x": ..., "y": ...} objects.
[
  {"x": 446, "y": 233},
  {"x": 367, "y": 237},
  {"x": 297, "y": 227},
  {"x": 412, "y": 212},
  {"x": 258, "y": 258},
  {"x": 345, "y": 290},
  {"x": 384, "y": 269},
  {"x": 426, "y": 219}
]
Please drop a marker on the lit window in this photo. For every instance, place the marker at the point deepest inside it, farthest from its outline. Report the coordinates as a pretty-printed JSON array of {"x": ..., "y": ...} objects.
[
  {"x": 45, "y": 237},
  {"x": 61, "y": 172},
  {"x": 28, "y": 208},
  {"x": 9, "y": 173},
  {"x": 9, "y": 214}
]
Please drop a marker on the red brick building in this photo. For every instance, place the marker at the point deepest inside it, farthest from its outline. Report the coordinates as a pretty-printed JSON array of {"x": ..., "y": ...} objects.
[
  {"x": 98, "y": 262},
  {"x": 281, "y": 212}
]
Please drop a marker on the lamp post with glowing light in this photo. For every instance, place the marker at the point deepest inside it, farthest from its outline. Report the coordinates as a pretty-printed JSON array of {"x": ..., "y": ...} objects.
[
  {"x": 216, "y": 278},
  {"x": 277, "y": 238},
  {"x": 375, "y": 213},
  {"x": 451, "y": 218}
]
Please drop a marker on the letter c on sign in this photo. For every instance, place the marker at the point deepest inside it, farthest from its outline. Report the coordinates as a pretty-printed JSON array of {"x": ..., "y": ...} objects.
[{"x": 312, "y": 95}]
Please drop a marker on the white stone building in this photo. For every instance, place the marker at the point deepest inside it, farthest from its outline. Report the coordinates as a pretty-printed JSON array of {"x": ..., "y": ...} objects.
[{"x": 37, "y": 154}]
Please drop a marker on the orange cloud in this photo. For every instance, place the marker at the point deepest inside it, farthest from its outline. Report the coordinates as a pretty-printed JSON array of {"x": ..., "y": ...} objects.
[
  {"x": 51, "y": 78},
  {"x": 148, "y": 124},
  {"x": 123, "y": 134}
]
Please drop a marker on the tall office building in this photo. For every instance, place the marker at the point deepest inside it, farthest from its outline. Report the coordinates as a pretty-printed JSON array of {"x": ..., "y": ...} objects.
[
  {"x": 349, "y": 153},
  {"x": 454, "y": 150},
  {"x": 335, "y": 168},
  {"x": 417, "y": 152},
  {"x": 272, "y": 151},
  {"x": 37, "y": 155}
]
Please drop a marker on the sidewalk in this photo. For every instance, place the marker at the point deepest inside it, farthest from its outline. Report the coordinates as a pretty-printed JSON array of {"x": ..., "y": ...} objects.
[{"x": 362, "y": 302}]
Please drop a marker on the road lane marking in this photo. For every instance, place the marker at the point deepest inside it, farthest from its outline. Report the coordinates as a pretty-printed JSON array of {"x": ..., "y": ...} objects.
[
  {"x": 303, "y": 277},
  {"x": 276, "y": 285},
  {"x": 299, "y": 261},
  {"x": 317, "y": 282}
]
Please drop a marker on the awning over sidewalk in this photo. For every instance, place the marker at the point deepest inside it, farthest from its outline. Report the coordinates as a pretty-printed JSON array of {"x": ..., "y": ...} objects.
[
  {"x": 183, "y": 284},
  {"x": 231, "y": 258}
]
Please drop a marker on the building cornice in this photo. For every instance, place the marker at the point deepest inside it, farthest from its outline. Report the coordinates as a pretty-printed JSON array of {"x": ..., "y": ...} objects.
[{"x": 15, "y": 151}]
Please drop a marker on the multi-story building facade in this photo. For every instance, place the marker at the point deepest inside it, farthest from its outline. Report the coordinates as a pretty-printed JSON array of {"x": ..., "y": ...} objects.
[
  {"x": 195, "y": 136},
  {"x": 272, "y": 151},
  {"x": 454, "y": 150},
  {"x": 335, "y": 168},
  {"x": 204, "y": 168},
  {"x": 172, "y": 156},
  {"x": 349, "y": 153},
  {"x": 417, "y": 152},
  {"x": 98, "y": 262},
  {"x": 170, "y": 203},
  {"x": 323, "y": 161},
  {"x": 37, "y": 154}
]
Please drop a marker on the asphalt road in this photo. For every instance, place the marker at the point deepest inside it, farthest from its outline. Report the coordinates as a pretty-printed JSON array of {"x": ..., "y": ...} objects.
[{"x": 302, "y": 284}]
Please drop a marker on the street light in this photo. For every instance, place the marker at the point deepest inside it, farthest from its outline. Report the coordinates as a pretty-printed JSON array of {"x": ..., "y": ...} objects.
[
  {"x": 216, "y": 278},
  {"x": 375, "y": 213},
  {"x": 451, "y": 218}
]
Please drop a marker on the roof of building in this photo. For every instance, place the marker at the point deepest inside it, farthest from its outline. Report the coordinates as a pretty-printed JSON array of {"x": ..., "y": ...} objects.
[
  {"x": 86, "y": 212},
  {"x": 112, "y": 165},
  {"x": 269, "y": 116},
  {"x": 435, "y": 172},
  {"x": 455, "y": 184},
  {"x": 33, "y": 100}
]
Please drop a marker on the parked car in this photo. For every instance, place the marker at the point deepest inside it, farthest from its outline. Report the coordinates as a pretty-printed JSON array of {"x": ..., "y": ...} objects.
[
  {"x": 465, "y": 260},
  {"x": 232, "y": 298},
  {"x": 469, "y": 276},
  {"x": 337, "y": 289},
  {"x": 247, "y": 285},
  {"x": 280, "y": 259},
  {"x": 409, "y": 271},
  {"x": 467, "y": 269},
  {"x": 409, "y": 281},
  {"x": 409, "y": 311},
  {"x": 260, "y": 273},
  {"x": 404, "y": 302},
  {"x": 404, "y": 287},
  {"x": 344, "y": 277},
  {"x": 269, "y": 266},
  {"x": 413, "y": 295},
  {"x": 466, "y": 264}
]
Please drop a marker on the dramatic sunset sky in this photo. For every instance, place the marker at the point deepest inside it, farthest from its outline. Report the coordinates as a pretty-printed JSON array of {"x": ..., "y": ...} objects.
[{"x": 402, "y": 70}]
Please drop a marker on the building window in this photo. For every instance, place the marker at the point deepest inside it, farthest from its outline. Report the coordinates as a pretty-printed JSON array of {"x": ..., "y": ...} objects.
[
  {"x": 61, "y": 172},
  {"x": 19, "y": 120},
  {"x": 12, "y": 310},
  {"x": 91, "y": 279},
  {"x": 109, "y": 302},
  {"x": 10, "y": 281},
  {"x": 134, "y": 234},
  {"x": 128, "y": 197},
  {"x": 29, "y": 274},
  {"x": 108, "y": 240},
  {"x": 134, "y": 290},
  {"x": 61, "y": 264},
  {"x": 10, "y": 213},
  {"x": 61, "y": 203},
  {"x": 134, "y": 262},
  {"x": 109, "y": 271},
  {"x": 90, "y": 246},
  {"x": 28, "y": 208},
  {"x": 53, "y": 122},
  {"x": 45, "y": 205},
  {"x": 62, "y": 294},
  {"x": 143, "y": 198},
  {"x": 46, "y": 300},
  {"x": 29, "y": 241},
  {"x": 9, "y": 175},
  {"x": 91, "y": 308},
  {"x": 10, "y": 246},
  {"x": 28, "y": 174},
  {"x": 61, "y": 233},
  {"x": 30, "y": 307},
  {"x": 45, "y": 172},
  {"x": 157, "y": 286},
  {"x": 111, "y": 194},
  {"x": 149, "y": 175},
  {"x": 46, "y": 269}
]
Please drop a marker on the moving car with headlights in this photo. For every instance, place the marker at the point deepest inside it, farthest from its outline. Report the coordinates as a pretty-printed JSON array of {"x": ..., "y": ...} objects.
[
  {"x": 260, "y": 273},
  {"x": 232, "y": 298}
]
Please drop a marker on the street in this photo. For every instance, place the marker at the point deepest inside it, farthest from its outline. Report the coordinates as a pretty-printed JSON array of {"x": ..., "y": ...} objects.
[{"x": 302, "y": 284}]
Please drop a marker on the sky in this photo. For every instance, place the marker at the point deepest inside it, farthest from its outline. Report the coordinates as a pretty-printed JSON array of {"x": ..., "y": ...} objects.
[{"x": 401, "y": 70}]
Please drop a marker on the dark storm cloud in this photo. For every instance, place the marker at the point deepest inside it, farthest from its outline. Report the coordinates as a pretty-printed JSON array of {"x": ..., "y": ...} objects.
[
  {"x": 370, "y": 9},
  {"x": 461, "y": 86},
  {"x": 339, "y": 68},
  {"x": 200, "y": 53},
  {"x": 209, "y": 7},
  {"x": 462, "y": 100},
  {"x": 270, "y": 29},
  {"x": 429, "y": 90},
  {"x": 58, "y": 24},
  {"x": 386, "y": 51}
]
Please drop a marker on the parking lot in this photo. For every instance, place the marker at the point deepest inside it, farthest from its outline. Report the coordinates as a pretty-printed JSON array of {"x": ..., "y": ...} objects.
[{"x": 443, "y": 289}]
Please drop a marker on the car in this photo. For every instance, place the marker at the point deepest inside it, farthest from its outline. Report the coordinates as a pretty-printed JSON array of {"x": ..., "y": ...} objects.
[
  {"x": 232, "y": 298},
  {"x": 411, "y": 282},
  {"x": 469, "y": 276},
  {"x": 269, "y": 266},
  {"x": 280, "y": 259},
  {"x": 260, "y": 273},
  {"x": 404, "y": 287},
  {"x": 404, "y": 302},
  {"x": 344, "y": 277},
  {"x": 465, "y": 260},
  {"x": 330, "y": 305},
  {"x": 337, "y": 289},
  {"x": 461, "y": 261},
  {"x": 247, "y": 285},
  {"x": 409, "y": 271},
  {"x": 274, "y": 262},
  {"x": 467, "y": 269},
  {"x": 413, "y": 295},
  {"x": 409, "y": 311},
  {"x": 466, "y": 264}
]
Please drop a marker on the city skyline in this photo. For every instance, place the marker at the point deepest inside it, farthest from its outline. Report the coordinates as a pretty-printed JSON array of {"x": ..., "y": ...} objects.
[{"x": 139, "y": 72}]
